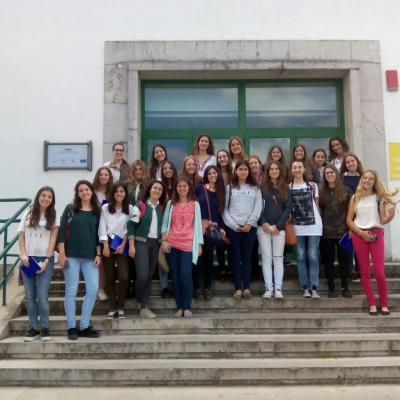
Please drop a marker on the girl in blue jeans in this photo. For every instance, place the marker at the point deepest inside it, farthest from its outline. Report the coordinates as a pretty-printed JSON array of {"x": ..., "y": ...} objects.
[
  {"x": 307, "y": 224},
  {"x": 243, "y": 206},
  {"x": 37, "y": 237},
  {"x": 78, "y": 240}
]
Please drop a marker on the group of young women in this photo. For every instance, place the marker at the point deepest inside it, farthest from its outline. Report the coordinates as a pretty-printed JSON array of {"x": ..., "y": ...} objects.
[{"x": 228, "y": 202}]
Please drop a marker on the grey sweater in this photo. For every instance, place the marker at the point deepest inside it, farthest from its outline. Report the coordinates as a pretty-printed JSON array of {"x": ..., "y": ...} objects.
[{"x": 243, "y": 205}]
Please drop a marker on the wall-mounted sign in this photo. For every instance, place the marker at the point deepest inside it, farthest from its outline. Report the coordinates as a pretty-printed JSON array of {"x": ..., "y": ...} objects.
[
  {"x": 67, "y": 156},
  {"x": 394, "y": 161}
]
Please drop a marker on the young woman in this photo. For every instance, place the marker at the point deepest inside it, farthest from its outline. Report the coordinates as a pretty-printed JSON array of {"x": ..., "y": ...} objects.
[
  {"x": 243, "y": 207},
  {"x": 319, "y": 162},
  {"x": 334, "y": 201},
  {"x": 211, "y": 197},
  {"x": 113, "y": 222},
  {"x": 158, "y": 155},
  {"x": 102, "y": 184},
  {"x": 78, "y": 240},
  {"x": 275, "y": 153},
  {"x": 144, "y": 230},
  {"x": 338, "y": 147},
  {"x": 307, "y": 224},
  {"x": 224, "y": 163},
  {"x": 300, "y": 154},
  {"x": 351, "y": 171},
  {"x": 371, "y": 207},
  {"x": 271, "y": 229},
  {"x": 256, "y": 168},
  {"x": 37, "y": 238},
  {"x": 189, "y": 170},
  {"x": 137, "y": 182},
  {"x": 182, "y": 240},
  {"x": 203, "y": 153},
  {"x": 169, "y": 175},
  {"x": 236, "y": 150}
]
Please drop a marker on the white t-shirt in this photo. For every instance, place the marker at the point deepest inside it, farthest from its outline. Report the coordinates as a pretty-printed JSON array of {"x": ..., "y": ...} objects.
[
  {"x": 113, "y": 224},
  {"x": 314, "y": 229},
  {"x": 36, "y": 239},
  {"x": 211, "y": 160}
]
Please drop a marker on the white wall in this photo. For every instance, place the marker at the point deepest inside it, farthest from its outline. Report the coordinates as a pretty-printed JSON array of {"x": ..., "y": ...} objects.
[{"x": 51, "y": 64}]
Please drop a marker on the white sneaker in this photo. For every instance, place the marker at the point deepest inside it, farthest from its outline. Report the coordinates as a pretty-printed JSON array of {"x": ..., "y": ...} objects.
[
  {"x": 187, "y": 314},
  {"x": 278, "y": 294},
  {"x": 306, "y": 293},
  {"x": 101, "y": 294},
  {"x": 267, "y": 294},
  {"x": 120, "y": 314},
  {"x": 315, "y": 294},
  {"x": 147, "y": 313},
  {"x": 111, "y": 314}
]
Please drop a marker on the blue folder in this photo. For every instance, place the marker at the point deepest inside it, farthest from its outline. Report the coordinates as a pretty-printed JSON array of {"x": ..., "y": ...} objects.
[
  {"x": 346, "y": 243},
  {"x": 117, "y": 240},
  {"x": 30, "y": 271}
]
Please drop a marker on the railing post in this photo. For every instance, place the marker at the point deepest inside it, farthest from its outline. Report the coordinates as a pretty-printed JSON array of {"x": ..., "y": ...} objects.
[{"x": 5, "y": 269}]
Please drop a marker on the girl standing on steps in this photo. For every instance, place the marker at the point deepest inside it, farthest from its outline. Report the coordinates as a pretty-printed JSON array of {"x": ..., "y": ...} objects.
[
  {"x": 189, "y": 170},
  {"x": 144, "y": 232},
  {"x": 371, "y": 207},
  {"x": 158, "y": 155},
  {"x": 102, "y": 184},
  {"x": 37, "y": 238},
  {"x": 307, "y": 224},
  {"x": 182, "y": 240},
  {"x": 113, "y": 222},
  {"x": 203, "y": 152},
  {"x": 236, "y": 150},
  {"x": 80, "y": 252},
  {"x": 243, "y": 205}
]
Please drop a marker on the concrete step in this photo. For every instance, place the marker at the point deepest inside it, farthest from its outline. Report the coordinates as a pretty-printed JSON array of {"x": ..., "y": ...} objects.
[
  {"x": 206, "y": 346},
  {"x": 235, "y": 323},
  {"x": 57, "y": 288},
  {"x": 392, "y": 270},
  {"x": 199, "y": 372},
  {"x": 226, "y": 304}
]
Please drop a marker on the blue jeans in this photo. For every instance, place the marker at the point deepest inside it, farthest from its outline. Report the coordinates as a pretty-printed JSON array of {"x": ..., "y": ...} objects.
[
  {"x": 91, "y": 275},
  {"x": 37, "y": 295},
  {"x": 180, "y": 264},
  {"x": 163, "y": 278},
  {"x": 242, "y": 246},
  {"x": 308, "y": 279}
]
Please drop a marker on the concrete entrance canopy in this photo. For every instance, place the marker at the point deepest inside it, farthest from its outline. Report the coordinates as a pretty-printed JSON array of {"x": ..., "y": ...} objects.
[{"x": 356, "y": 62}]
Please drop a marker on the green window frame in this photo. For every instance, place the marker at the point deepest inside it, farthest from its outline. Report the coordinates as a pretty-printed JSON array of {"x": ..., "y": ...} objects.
[{"x": 294, "y": 134}]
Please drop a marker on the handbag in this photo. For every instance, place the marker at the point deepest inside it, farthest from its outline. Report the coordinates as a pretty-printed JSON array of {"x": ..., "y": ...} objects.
[
  {"x": 290, "y": 234},
  {"x": 212, "y": 232}
]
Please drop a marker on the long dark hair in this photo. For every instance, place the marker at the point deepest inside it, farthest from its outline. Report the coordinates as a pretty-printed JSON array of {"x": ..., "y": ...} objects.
[
  {"x": 175, "y": 196},
  {"x": 96, "y": 181},
  {"x": 49, "y": 214},
  {"x": 219, "y": 186},
  {"x": 77, "y": 202},
  {"x": 281, "y": 183},
  {"x": 344, "y": 144},
  {"x": 125, "y": 201},
  {"x": 229, "y": 168},
  {"x": 163, "y": 196},
  {"x": 250, "y": 178},
  {"x": 169, "y": 182},
  {"x": 154, "y": 162},
  {"x": 343, "y": 168},
  {"x": 210, "y": 148},
  {"x": 340, "y": 189}
]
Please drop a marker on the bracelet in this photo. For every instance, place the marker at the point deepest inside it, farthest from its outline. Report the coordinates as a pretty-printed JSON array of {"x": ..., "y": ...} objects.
[{"x": 98, "y": 255}]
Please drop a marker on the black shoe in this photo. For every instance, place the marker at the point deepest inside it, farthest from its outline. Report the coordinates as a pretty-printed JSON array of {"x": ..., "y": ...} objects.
[
  {"x": 72, "y": 334},
  {"x": 45, "y": 335},
  {"x": 89, "y": 332},
  {"x": 30, "y": 335},
  {"x": 165, "y": 293},
  {"x": 332, "y": 294},
  {"x": 346, "y": 294}
]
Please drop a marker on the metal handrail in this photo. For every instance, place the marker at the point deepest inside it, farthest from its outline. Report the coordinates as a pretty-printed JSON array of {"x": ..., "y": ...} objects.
[{"x": 7, "y": 245}]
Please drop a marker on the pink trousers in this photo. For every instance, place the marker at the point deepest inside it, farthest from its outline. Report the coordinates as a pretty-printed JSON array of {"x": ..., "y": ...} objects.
[{"x": 376, "y": 249}]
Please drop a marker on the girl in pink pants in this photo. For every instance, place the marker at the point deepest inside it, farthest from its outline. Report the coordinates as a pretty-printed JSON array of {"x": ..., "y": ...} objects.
[{"x": 371, "y": 207}]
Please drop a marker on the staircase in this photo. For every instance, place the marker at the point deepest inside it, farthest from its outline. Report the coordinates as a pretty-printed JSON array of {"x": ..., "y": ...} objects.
[{"x": 227, "y": 342}]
